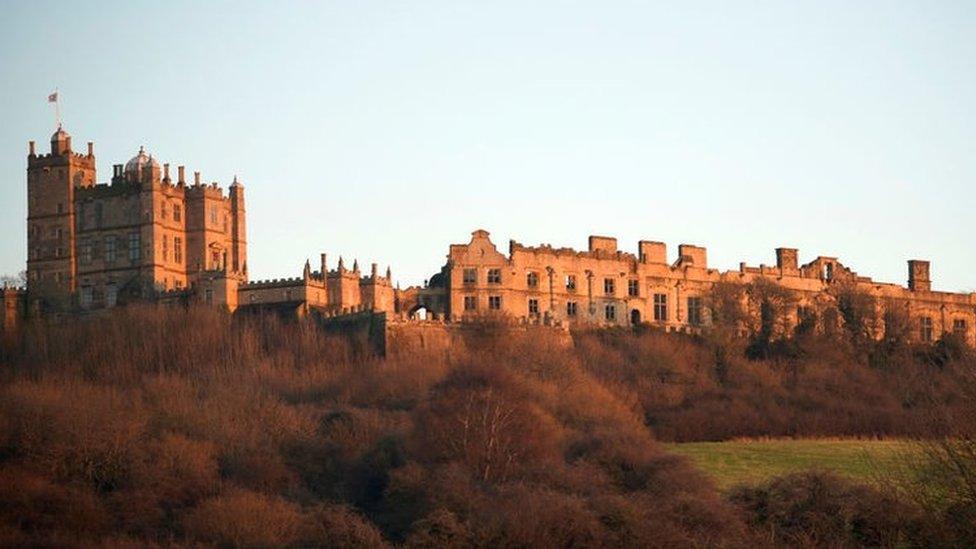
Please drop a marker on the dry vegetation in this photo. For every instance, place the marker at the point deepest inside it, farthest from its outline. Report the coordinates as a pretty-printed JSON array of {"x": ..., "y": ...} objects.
[{"x": 176, "y": 427}]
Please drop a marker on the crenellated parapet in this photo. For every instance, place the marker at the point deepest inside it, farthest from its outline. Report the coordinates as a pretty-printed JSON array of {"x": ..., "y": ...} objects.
[
  {"x": 604, "y": 286},
  {"x": 273, "y": 283}
]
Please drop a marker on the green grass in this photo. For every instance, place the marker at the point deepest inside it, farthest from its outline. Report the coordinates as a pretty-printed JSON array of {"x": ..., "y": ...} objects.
[{"x": 754, "y": 461}]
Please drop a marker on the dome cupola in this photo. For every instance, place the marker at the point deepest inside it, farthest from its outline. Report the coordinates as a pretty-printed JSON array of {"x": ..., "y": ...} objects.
[
  {"x": 134, "y": 167},
  {"x": 60, "y": 142}
]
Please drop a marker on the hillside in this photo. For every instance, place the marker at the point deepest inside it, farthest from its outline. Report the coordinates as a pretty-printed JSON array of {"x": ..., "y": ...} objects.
[{"x": 179, "y": 427}]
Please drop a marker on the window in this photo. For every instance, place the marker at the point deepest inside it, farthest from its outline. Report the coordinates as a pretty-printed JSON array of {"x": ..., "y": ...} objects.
[
  {"x": 925, "y": 328},
  {"x": 661, "y": 307},
  {"x": 213, "y": 215},
  {"x": 86, "y": 253},
  {"x": 610, "y": 312},
  {"x": 178, "y": 249},
  {"x": 110, "y": 249},
  {"x": 570, "y": 308},
  {"x": 494, "y": 276},
  {"x": 695, "y": 311},
  {"x": 111, "y": 295},
  {"x": 162, "y": 211},
  {"x": 571, "y": 283},
  {"x": 86, "y": 297},
  {"x": 532, "y": 279},
  {"x": 470, "y": 276},
  {"x": 58, "y": 252},
  {"x": 177, "y": 213},
  {"x": 134, "y": 246},
  {"x": 533, "y": 307},
  {"x": 633, "y": 288},
  {"x": 608, "y": 286},
  {"x": 179, "y": 284},
  {"x": 495, "y": 302},
  {"x": 165, "y": 248},
  {"x": 959, "y": 326},
  {"x": 470, "y": 303}
]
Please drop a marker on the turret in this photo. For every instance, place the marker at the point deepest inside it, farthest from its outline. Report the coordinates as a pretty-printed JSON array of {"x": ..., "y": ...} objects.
[
  {"x": 60, "y": 142},
  {"x": 238, "y": 225},
  {"x": 51, "y": 225}
]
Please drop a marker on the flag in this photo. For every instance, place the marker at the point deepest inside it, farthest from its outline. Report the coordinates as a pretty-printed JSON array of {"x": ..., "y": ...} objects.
[{"x": 53, "y": 98}]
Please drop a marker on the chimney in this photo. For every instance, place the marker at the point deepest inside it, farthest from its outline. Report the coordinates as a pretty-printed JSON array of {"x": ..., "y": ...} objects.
[
  {"x": 374, "y": 271},
  {"x": 196, "y": 178},
  {"x": 786, "y": 259},
  {"x": 165, "y": 172},
  {"x": 918, "y": 275},
  {"x": 30, "y": 145},
  {"x": 324, "y": 267},
  {"x": 91, "y": 149},
  {"x": 180, "y": 171}
]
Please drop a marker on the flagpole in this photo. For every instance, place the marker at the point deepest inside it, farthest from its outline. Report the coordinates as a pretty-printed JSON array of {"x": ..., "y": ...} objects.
[{"x": 57, "y": 106}]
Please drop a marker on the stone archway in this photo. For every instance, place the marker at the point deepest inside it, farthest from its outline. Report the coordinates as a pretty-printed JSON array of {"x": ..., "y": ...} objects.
[
  {"x": 635, "y": 317},
  {"x": 419, "y": 311}
]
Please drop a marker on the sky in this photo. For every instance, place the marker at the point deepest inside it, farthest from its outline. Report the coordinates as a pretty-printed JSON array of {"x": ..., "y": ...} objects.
[{"x": 385, "y": 131}]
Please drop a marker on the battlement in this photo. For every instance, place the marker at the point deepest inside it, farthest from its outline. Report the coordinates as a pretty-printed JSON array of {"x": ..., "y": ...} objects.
[
  {"x": 106, "y": 190},
  {"x": 273, "y": 283},
  {"x": 547, "y": 249},
  {"x": 64, "y": 159},
  {"x": 600, "y": 252}
]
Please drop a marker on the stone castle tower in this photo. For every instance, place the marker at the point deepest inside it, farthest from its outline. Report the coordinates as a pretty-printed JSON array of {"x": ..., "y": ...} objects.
[
  {"x": 92, "y": 245},
  {"x": 52, "y": 181}
]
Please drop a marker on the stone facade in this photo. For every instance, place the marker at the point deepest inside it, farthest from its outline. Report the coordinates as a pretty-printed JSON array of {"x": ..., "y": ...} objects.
[
  {"x": 145, "y": 236},
  {"x": 12, "y": 311},
  {"x": 148, "y": 237},
  {"x": 603, "y": 286},
  {"x": 92, "y": 245}
]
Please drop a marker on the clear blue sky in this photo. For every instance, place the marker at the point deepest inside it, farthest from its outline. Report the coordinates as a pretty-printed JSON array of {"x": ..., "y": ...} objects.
[{"x": 385, "y": 131}]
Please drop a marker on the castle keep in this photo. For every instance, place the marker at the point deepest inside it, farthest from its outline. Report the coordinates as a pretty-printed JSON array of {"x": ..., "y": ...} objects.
[{"x": 146, "y": 236}]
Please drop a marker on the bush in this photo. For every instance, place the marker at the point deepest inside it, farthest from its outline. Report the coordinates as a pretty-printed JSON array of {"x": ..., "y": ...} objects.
[
  {"x": 243, "y": 518},
  {"x": 254, "y": 431},
  {"x": 818, "y": 509}
]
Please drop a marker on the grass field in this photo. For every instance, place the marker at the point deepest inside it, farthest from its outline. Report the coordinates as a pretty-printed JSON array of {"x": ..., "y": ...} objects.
[{"x": 754, "y": 461}]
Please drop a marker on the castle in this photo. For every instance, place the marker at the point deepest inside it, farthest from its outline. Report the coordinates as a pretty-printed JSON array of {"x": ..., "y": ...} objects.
[{"x": 145, "y": 237}]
